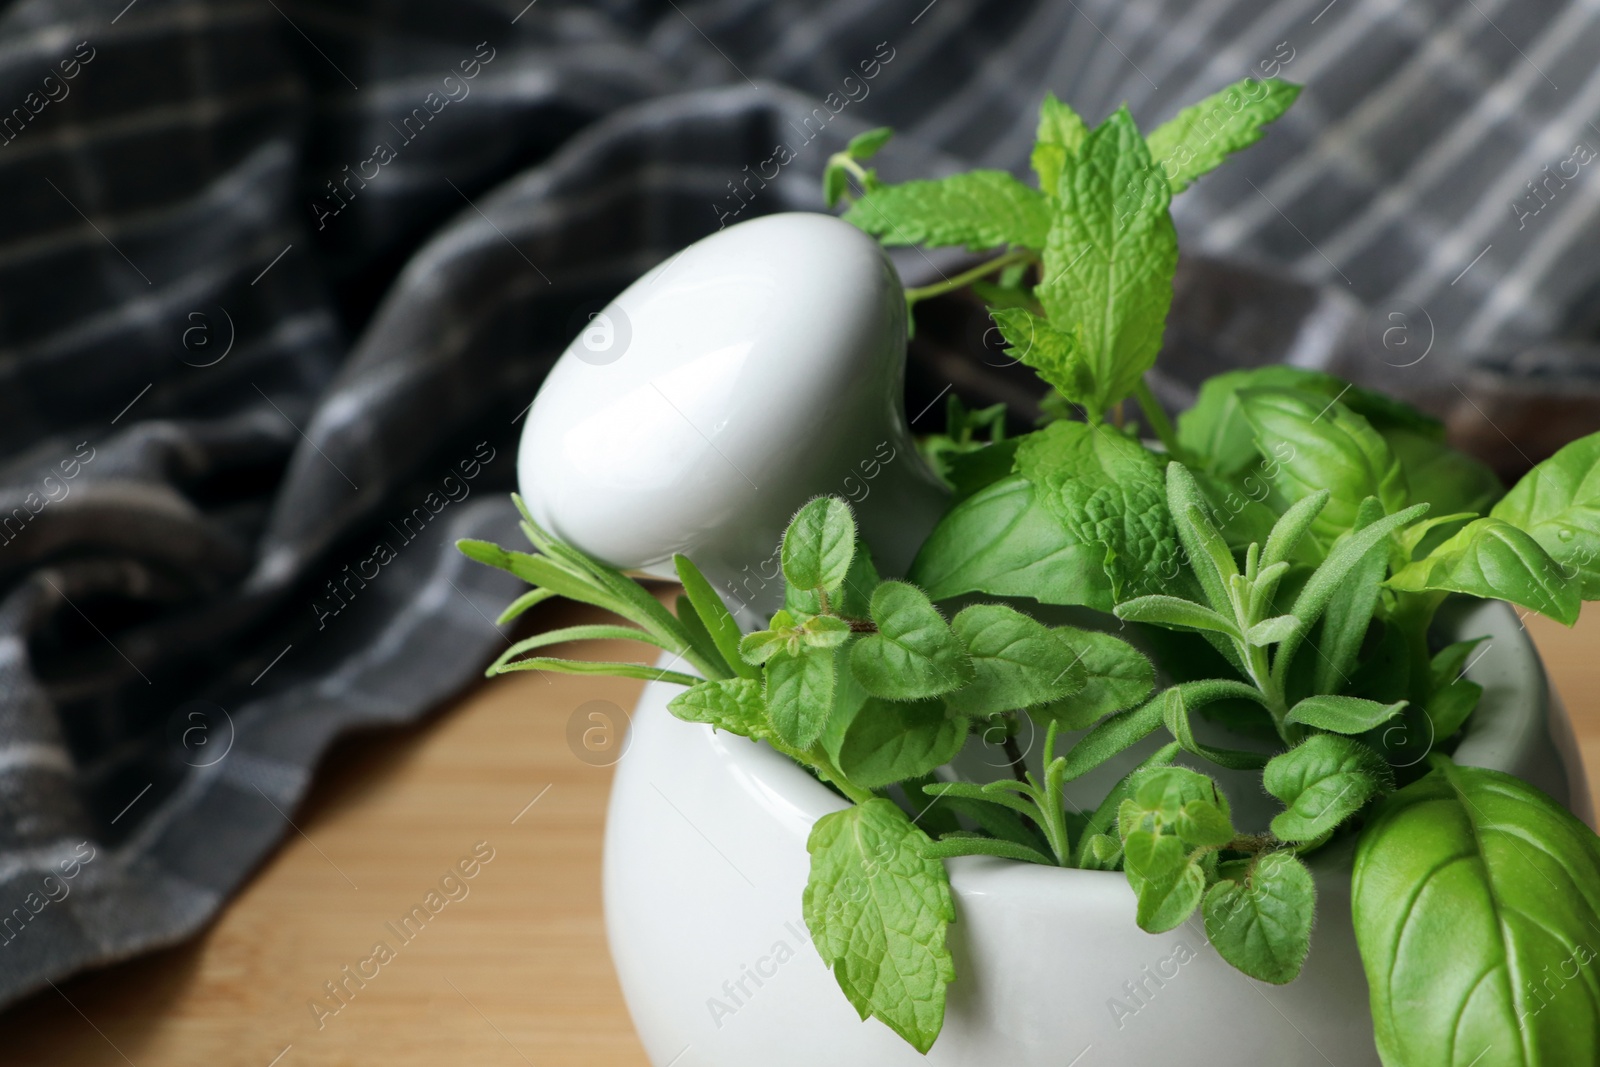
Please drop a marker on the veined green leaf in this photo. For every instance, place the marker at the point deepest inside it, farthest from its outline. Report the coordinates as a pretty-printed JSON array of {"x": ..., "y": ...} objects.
[
  {"x": 1202, "y": 135},
  {"x": 799, "y": 692},
  {"x": 1329, "y": 447},
  {"x": 1017, "y": 662},
  {"x": 1105, "y": 489},
  {"x": 1262, "y": 925},
  {"x": 819, "y": 544},
  {"x": 1494, "y": 559},
  {"x": 1471, "y": 890},
  {"x": 1053, "y": 354},
  {"x": 1002, "y": 541},
  {"x": 1558, "y": 505},
  {"x": 1116, "y": 676},
  {"x": 877, "y": 906},
  {"x": 1343, "y": 715},
  {"x": 1110, "y": 256},
  {"x": 914, "y": 654},
  {"x": 978, "y": 208},
  {"x": 1060, "y": 134},
  {"x": 1449, "y": 480},
  {"x": 1176, "y": 614},
  {"x": 1322, "y": 782},
  {"x": 1167, "y": 884},
  {"x": 888, "y": 741},
  {"x": 732, "y": 704}
]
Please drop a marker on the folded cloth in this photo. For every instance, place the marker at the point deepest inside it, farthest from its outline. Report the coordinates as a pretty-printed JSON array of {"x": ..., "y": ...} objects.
[{"x": 277, "y": 282}]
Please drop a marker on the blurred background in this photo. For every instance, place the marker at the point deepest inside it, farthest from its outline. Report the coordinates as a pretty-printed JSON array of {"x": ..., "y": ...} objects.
[{"x": 278, "y": 279}]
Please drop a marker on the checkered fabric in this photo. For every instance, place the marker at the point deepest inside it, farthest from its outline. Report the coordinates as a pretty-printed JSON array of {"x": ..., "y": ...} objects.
[{"x": 277, "y": 279}]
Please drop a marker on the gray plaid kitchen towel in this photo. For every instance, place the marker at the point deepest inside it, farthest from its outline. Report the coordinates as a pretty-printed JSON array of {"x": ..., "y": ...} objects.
[{"x": 277, "y": 279}]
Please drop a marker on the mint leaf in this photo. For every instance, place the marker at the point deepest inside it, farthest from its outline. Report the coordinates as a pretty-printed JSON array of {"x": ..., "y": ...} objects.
[
  {"x": 865, "y": 145},
  {"x": 1116, "y": 676},
  {"x": 1322, "y": 782},
  {"x": 888, "y": 741},
  {"x": 1202, "y": 135},
  {"x": 1328, "y": 446},
  {"x": 819, "y": 544},
  {"x": 799, "y": 692},
  {"x": 1494, "y": 559},
  {"x": 1263, "y": 925},
  {"x": 979, "y": 209},
  {"x": 1060, "y": 134},
  {"x": 1105, "y": 489},
  {"x": 1110, "y": 257},
  {"x": 1558, "y": 505},
  {"x": 1054, "y": 354},
  {"x": 1343, "y": 715},
  {"x": 1004, "y": 542},
  {"x": 732, "y": 704},
  {"x": 1471, "y": 888},
  {"x": 877, "y": 909},
  {"x": 1017, "y": 662},
  {"x": 914, "y": 654}
]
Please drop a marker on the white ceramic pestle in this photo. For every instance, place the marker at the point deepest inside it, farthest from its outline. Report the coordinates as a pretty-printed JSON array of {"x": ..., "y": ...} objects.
[{"x": 759, "y": 367}]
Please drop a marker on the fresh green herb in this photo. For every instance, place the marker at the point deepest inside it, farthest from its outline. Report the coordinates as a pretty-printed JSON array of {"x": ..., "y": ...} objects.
[{"x": 1284, "y": 550}]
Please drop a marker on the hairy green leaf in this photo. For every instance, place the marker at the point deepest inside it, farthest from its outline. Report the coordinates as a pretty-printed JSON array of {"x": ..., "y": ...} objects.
[
  {"x": 1116, "y": 676},
  {"x": 1322, "y": 782},
  {"x": 819, "y": 544},
  {"x": 914, "y": 654},
  {"x": 1017, "y": 661},
  {"x": 799, "y": 691},
  {"x": 1343, "y": 715},
  {"x": 1167, "y": 884},
  {"x": 888, "y": 741},
  {"x": 1262, "y": 925}
]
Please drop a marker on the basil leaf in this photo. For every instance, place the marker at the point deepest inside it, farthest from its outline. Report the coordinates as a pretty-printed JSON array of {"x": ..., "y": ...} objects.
[
  {"x": 913, "y": 654},
  {"x": 799, "y": 692},
  {"x": 1003, "y": 542},
  {"x": 1110, "y": 256},
  {"x": 1322, "y": 782},
  {"x": 878, "y": 908},
  {"x": 732, "y": 704},
  {"x": 1471, "y": 891},
  {"x": 819, "y": 544},
  {"x": 1263, "y": 925},
  {"x": 1331, "y": 447},
  {"x": 1106, "y": 489},
  {"x": 1450, "y": 706},
  {"x": 1558, "y": 504},
  {"x": 1449, "y": 480},
  {"x": 1201, "y": 136},
  {"x": 1016, "y": 660},
  {"x": 1494, "y": 559},
  {"x": 1060, "y": 134},
  {"x": 1343, "y": 715},
  {"x": 1215, "y": 431},
  {"x": 888, "y": 741},
  {"x": 978, "y": 208},
  {"x": 1116, "y": 676}
]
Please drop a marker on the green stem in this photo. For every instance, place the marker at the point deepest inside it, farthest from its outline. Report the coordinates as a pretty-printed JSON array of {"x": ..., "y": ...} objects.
[
  {"x": 967, "y": 277},
  {"x": 1160, "y": 425},
  {"x": 825, "y": 767}
]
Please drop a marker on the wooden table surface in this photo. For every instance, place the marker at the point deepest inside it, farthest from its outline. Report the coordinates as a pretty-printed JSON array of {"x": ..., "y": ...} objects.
[{"x": 515, "y": 972}]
